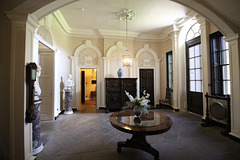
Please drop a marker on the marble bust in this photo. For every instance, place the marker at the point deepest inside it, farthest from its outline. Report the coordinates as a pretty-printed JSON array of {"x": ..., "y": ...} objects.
[
  {"x": 37, "y": 89},
  {"x": 69, "y": 83}
]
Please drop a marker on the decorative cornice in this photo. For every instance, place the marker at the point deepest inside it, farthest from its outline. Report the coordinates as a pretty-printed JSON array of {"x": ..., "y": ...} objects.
[
  {"x": 153, "y": 38},
  {"x": 190, "y": 15},
  {"x": 231, "y": 37},
  {"x": 114, "y": 33},
  {"x": 101, "y": 33},
  {"x": 171, "y": 29},
  {"x": 17, "y": 16},
  {"x": 58, "y": 15}
]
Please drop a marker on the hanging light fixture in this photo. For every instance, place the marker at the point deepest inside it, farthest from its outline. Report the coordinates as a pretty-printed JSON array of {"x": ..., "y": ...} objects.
[{"x": 126, "y": 14}]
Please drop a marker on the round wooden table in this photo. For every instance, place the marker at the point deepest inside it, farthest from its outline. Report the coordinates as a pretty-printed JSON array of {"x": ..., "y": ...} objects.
[{"x": 148, "y": 124}]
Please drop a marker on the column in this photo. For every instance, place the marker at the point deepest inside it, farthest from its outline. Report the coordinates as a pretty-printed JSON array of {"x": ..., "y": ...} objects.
[
  {"x": 206, "y": 72},
  {"x": 234, "y": 53}
]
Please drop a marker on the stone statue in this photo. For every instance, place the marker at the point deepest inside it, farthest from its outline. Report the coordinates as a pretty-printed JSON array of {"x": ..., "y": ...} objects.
[
  {"x": 69, "y": 83},
  {"x": 37, "y": 89}
]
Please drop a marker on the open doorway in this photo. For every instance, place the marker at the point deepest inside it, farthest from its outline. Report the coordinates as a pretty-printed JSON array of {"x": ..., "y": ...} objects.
[{"x": 88, "y": 89}]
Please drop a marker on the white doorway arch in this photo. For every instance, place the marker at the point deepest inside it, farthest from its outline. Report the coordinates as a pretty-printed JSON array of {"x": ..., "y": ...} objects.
[
  {"x": 86, "y": 56},
  {"x": 146, "y": 58}
]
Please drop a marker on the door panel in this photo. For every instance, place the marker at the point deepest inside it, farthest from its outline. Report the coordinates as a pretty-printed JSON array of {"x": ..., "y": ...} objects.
[
  {"x": 194, "y": 76},
  {"x": 46, "y": 84},
  {"x": 147, "y": 83}
]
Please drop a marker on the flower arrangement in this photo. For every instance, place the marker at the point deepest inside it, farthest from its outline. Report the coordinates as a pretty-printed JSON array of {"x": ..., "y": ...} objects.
[{"x": 138, "y": 104}]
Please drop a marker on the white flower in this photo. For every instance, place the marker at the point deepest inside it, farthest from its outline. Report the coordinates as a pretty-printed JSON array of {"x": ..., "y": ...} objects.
[
  {"x": 144, "y": 102},
  {"x": 130, "y": 96},
  {"x": 148, "y": 95},
  {"x": 138, "y": 103},
  {"x": 144, "y": 92}
]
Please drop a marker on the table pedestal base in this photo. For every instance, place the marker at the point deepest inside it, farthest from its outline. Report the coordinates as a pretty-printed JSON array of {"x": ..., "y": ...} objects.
[{"x": 139, "y": 142}]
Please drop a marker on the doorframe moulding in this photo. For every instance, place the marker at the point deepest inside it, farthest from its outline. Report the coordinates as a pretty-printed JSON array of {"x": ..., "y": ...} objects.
[
  {"x": 156, "y": 69},
  {"x": 75, "y": 71}
]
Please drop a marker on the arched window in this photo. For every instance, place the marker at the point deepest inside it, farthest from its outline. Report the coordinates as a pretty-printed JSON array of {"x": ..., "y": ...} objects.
[
  {"x": 193, "y": 32},
  {"x": 194, "y": 70}
]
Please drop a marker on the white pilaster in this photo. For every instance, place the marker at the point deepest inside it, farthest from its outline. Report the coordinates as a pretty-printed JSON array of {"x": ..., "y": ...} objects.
[
  {"x": 134, "y": 68},
  {"x": 35, "y": 50},
  {"x": 100, "y": 79},
  {"x": 23, "y": 29},
  {"x": 176, "y": 91},
  {"x": 105, "y": 74},
  {"x": 234, "y": 53},
  {"x": 206, "y": 72},
  {"x": 76, "y": 79},
  {"x": 157, "y": 77}
]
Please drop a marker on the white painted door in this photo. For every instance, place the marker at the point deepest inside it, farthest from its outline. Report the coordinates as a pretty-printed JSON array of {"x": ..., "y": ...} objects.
[{"x": 46, "y": 84}]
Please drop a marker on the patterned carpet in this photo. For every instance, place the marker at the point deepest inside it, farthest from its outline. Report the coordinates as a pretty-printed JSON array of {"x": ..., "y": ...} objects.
[{"x": 90, "y": 136}]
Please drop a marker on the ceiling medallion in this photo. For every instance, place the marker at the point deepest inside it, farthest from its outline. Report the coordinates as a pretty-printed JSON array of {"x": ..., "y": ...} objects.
[{"x": 126, "y": 14}]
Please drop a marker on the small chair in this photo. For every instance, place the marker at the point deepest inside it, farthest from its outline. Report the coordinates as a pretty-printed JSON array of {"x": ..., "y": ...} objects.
[{"x": 167, "y": 100}]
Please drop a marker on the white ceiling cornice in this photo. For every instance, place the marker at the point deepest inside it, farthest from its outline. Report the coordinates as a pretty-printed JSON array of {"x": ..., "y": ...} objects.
[
  {"x": 153, "y": 38},
  {"x": 114, "y": 33},
  {"x": 74, "y": 32},
  {"x": 58, "y": 15}
]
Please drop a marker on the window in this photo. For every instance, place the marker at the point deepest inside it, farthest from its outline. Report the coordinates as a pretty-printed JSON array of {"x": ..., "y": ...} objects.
[
  {"x": 193, "y": 32},
  {"x": 220, "y": 73},
  {"x": 169, "y": 70},
  {"x": 194, "y": 56}
]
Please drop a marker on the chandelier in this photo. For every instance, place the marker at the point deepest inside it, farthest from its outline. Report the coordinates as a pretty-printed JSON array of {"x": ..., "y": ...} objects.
[{"x": 126, "y": 14}]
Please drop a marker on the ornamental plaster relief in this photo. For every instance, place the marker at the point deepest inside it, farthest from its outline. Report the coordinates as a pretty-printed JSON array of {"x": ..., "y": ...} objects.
[
  {"x": 45, "y": 34},
  {"x": 88, "y": 57},
  {"x": 146, "y": 59}
]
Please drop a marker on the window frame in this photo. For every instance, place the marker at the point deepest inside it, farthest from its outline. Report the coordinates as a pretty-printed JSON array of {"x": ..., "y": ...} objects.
[
  {"x": 193, "y": 42},
  {"x": 217, "y": 89},
  {"x": 168, "y": 71}
]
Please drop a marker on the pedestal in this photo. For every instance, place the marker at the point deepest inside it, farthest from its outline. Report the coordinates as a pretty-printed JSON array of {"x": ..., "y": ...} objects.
[
  {"x": 37, "y": 145},
  {"x": 68, "y": 102}
]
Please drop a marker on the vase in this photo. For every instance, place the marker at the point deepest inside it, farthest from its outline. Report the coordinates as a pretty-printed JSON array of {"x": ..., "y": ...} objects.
[
  {"x": 137, "y": 112},
  {"x": 120, "y": 73}
]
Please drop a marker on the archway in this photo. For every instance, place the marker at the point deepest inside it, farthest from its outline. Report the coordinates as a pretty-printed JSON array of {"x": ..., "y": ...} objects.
[
  {"x": 147, "y": 59},
  {"x": 86, "y": 56},
  {"x": 23, "y": 27}
]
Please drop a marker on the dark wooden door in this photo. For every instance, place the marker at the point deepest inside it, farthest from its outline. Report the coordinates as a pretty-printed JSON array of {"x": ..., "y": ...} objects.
[
  {"x": 194, "y": 76},
  {"x": 83, "y": 87},
  {"x": 147, "y": 83}
]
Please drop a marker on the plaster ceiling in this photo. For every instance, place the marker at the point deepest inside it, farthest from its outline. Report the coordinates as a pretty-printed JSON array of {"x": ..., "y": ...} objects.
[{"x": 152, "y": 16}]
